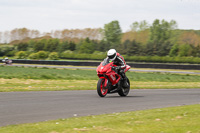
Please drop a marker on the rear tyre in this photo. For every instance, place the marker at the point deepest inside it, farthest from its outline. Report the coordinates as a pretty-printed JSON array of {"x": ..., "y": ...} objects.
[
  {"x": 124, "y": 91},
  {"x": 101, "y": 90}
]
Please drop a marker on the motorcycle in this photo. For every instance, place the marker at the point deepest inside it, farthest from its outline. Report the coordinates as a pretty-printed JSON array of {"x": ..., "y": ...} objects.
[
  {"x": 7, "y": 62},
  {"x": 110, "y": 81}
]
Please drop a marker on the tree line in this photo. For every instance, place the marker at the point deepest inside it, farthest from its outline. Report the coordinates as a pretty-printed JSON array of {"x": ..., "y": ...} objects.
[
  {"x": 24, "y": 33},
  {"x": 161, "y": 38}
]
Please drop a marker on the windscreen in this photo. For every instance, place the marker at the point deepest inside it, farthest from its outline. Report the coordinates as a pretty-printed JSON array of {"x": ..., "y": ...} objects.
[{"x": 106, "y": 61}]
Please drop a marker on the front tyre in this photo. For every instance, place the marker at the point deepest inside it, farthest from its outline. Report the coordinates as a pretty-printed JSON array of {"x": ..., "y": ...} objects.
[
  {"x": 101, "y": 90},
  {"x": 124, "y": 91}
]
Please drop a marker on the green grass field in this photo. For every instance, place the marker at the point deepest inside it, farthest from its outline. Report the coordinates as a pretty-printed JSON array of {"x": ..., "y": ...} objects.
[
  {"x": 43, "y": 79},
  {"x": 183, "y": 119},
  {"x": 78, "y": 74}
]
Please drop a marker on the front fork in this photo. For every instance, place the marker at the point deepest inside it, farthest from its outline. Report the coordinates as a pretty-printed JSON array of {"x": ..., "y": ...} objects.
[{"x": 105, "y": 85}]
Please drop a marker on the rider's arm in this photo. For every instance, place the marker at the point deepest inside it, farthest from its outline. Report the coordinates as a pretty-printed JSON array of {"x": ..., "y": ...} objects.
[{"x": 122, "y": 62}]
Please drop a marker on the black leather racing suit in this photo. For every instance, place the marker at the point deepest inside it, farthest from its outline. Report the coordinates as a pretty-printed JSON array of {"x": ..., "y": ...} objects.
[{"x": 120, "y": 62}]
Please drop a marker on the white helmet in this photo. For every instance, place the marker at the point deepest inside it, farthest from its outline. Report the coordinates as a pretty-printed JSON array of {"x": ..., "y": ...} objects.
[{"x": 112, "y": 54}]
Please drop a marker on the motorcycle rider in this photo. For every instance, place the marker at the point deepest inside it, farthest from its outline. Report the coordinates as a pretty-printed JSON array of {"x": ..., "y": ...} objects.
[
  {"x": 118, "y": 60},
  {"x": 7, "y": 61}
]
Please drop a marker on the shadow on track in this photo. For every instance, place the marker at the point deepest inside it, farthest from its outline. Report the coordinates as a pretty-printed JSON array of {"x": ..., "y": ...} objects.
[{"x": 122, "y": 97}]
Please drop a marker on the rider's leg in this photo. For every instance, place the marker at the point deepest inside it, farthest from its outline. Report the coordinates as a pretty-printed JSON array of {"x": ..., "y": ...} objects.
[{"x": 125, "y": 83}]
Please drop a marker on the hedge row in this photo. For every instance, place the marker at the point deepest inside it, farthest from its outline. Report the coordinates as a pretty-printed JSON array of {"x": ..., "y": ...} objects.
[
  {"x": 164, "y": 59},
  {"x": 153, "y": 59},
  {"x": 82, "y": 56}
]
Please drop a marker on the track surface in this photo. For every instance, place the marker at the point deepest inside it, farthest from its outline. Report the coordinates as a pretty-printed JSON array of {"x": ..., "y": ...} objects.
[{"x": 28, "y": 107}]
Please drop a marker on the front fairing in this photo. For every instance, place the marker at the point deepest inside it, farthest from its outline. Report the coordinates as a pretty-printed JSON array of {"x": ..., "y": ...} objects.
[
  {"x": 104, "y": 70},
  {"x": 105, "y": 66}
]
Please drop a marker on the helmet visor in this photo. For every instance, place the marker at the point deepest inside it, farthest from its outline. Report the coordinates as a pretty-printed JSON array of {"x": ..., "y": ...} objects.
[{"x": 112, "y": 56}]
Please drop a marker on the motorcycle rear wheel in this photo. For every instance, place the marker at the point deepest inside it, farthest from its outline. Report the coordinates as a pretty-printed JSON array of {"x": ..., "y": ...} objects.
[
  {"x": 124, "y": 91},
  {"x": 101, "y": 90}
]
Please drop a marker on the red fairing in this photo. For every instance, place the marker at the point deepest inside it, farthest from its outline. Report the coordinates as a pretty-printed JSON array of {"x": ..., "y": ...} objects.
[
  {"x": 103, "y": 69},
  {"x": 106, "y": 72},
  {"x": 127, "y": 68}
]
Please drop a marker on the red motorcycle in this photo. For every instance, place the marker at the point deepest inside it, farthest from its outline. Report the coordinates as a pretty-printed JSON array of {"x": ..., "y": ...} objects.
[{"x": 110, "y": 81}]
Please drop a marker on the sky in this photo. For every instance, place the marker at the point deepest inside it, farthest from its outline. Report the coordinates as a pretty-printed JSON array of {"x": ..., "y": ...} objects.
[{"x": 48, "y": 15}]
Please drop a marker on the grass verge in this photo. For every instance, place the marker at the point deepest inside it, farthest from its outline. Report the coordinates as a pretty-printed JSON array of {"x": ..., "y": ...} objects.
[
  {"x": 9, "y": 85},
  {"x": 7, "y": 72},
  {"x": 182, "y": 119},
  {"x": 48, "y": 79}
]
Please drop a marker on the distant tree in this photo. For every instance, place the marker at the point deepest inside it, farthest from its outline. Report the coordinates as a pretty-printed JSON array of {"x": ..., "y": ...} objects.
[
  {"x": 141, "y": 37},
  {"x": 124, "y": 47},
  {"x": 161, "y": 30},
  {"x": 72, "y": 46},
  {"x": 34, "y": 33},
  {"x": 5, "y": 49},
  {"x": 196, "y": 51},
  {"x": 139, "y": 26},
  {"x": 159, "y": 40},
  {"x": 94, "y": 34},
  {"x": 7, "y": 38},
  {"x": 143, "y": 25},
  {"x": 133, "y": 48},
  {"x": 185, "y": 50},
  {"x": 151, "y": 49},
  {"x": 190, "y": 38},
  {"x": 130, "y": 48},
  {"x": 31, "y": 43},
  {"x": 19, "y": 34},
  {"x": 47, "y": 45},
  {"x": 174, "y": 50},
  {"x": 63, "y": 46},
  {"x": 173, "y": 25},
  {"x": 39, "y": 45},
  {"x": 56, "y": 34},
  {"x": 22, "y": 46},
  {"x": 102, "y": 46},
  {"x": 11, "y": 53},
  {"x": 87, "y": 47},
  {"x": 112, "y": 34},
  {"x": 51, "y": 45},
  {"x": 67, "y": 46},
  {"x": 134, "y": 26},
  {"x": 164, "y": 48}
]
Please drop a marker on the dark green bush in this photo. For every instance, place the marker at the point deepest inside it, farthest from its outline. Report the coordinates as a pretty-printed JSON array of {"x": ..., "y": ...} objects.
[
  {"x": 21, "y": 55},
  {"x": 53, "y": 56},
  {"x": 33, "y": 56},
  {"x": 42, "y": 54}
]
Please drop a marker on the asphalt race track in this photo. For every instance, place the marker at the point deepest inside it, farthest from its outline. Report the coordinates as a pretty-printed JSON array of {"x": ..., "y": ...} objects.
[{"x": 29, "y": 107}]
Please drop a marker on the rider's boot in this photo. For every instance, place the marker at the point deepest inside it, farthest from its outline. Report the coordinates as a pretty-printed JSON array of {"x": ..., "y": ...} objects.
[{"x": 125, "y": 82}]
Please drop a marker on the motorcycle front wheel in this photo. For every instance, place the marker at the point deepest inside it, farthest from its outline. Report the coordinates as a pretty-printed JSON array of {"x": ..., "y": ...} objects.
[
  {"x": 124, "y": 91},
  {"x": 101, "y": 90}
]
